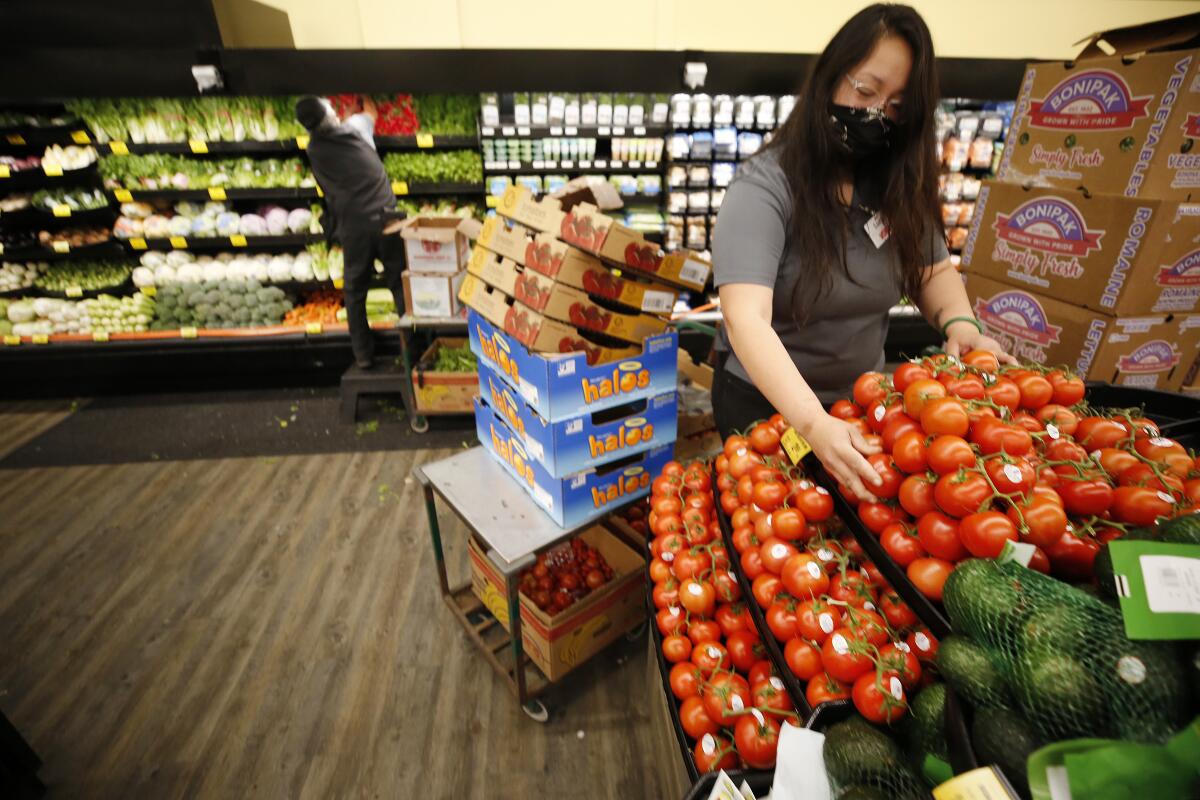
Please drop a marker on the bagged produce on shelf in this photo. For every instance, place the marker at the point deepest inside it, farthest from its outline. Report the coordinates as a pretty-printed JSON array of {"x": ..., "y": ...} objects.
[
  {"x": 103, "y": 314},
  {"x": 63, "y": 276},
  {"x": 74, "y": 237},
  {"x": 220, "y": 304},
  {"x": 321, "y": 306},
  {"x": 68, "y": 158},
  {"x": 73, "y": 199},
  {"x": 15, "y": 276},
  {"x": 210, "y": 119}
]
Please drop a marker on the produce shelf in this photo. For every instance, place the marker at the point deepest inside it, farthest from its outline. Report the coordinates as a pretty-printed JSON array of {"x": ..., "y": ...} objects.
[
  {"x": 38, "y": 178},
  {"x": 509, "y": 131},
  {"x": 32, "y": 136},
  {"x": 108, "y": 249},
  {"x": 425, "y": 142},
  {"x": 210, "y": 244},
  {"x": 196, "y": 147},
  {"x": 214, "y": 193},
  {"x": 583, "y": 167},
  {"x": 185, "y": 337}
]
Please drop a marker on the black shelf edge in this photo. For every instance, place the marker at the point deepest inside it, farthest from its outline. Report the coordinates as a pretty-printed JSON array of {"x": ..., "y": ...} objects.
[
  {"x": 245, "y": 148},
  {"x": 513, "y": 131},
  {"x": 608, "y": 169},
  {"x": 109, "y": 249},
  {"x": 37, "y": 178},
  {"x": 432, "y": 189},
  {"x": 268, "y": 193},
  {"x": 433, "y": 142},
  {"x": 215, "y": 244}
]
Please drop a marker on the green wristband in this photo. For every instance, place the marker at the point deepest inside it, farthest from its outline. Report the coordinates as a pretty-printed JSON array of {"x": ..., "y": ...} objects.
[{"x": 953, "y": 320}]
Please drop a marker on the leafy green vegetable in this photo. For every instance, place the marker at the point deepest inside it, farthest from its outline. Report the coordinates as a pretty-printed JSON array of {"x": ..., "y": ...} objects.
[
  {"x": 211, "y": 119},
  {"x": 86, "y": 275},
  {"x": 455, "y": 359},
  {"x": 447, "y": 114},
  {"x": 178, "y": 172},
  {"x": 449, "y": 166}
]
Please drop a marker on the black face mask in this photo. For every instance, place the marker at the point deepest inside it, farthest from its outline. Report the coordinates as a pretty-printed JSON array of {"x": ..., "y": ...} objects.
[{"x": 865, "y": 132}]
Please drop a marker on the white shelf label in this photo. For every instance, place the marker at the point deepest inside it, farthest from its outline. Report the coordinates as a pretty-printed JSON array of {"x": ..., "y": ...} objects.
[
  {"x": 603, "y": 132},
  {"x": 613, "y": 164},
  {"x": 488, "y": 131},
  {"x": 618, "y": 131},
  {"x": 523, "y": 131},
  {"x": 572, "y": 131},
  {"x": 635, "y": 165},
  {"x": 568, "y": 164},
  {"x": 601, "y": 163},
  {"x": 508, "y": 131},
  {"x": 551, "y": 165},
  {"x": 539, "y": 164},
  {"x": 651, "y": 165},
  {"x": 639, "y": 131},
  {"x": 555, "y": 130},
  {"x": 514, "y": 165}
]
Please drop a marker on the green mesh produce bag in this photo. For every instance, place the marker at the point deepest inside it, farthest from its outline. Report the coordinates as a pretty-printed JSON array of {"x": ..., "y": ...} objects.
[
  {"x": 1059, "y": 657},
  {"x": 864, "y": 763}
]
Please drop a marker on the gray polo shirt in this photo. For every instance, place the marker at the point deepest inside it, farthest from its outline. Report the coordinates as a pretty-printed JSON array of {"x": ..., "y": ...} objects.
[{"x": 845, "y": 332}]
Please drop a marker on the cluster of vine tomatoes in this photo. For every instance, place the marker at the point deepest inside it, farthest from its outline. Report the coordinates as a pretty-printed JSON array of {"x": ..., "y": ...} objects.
[
  {"x": 731, "y": 702},
  {"x": 975, "y": 455},
  {"x": 840, "y": 625},
  {"x": 564, "y": 575}
]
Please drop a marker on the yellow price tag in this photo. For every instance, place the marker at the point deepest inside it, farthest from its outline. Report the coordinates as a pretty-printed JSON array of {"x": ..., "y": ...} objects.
[
  {"x": 52, "y": 170},
  {"x": 74, "y": 291},
  {"x": 123, "y": 196},
  {"x": 16, "y": 138},
  {"x": 150, "y": 291},
  {"x": 302, "y": 142},
  {"x": 118, "y": 148},
  {"x": 178, "y": 242},
  {"x": 198, "y": 146},
  {"x": 40, "y": 338},
  {"x": 400, "y": 187},
  {"x": 62, "y": 210},
  {"x": 100, "y": 336},
  {"x": 12, "y": 341},
  {"x": 237, "y": 240},
  {"x": 61, "y": 247},
  {"x": 216, "y": 193},
  {"x": 188, "y": 333},
  {"x": 137, "y": 243},
  {"x": 794, "y": 445},
  {"x": 312, "y": 327},
  {"x": 424, "y": 140},
  {"x": 338, "y": 283},
  {"x": 493, "y": 201},
  {"x": 319, "y": 192},
  {"x": 80, "y": 137},
  {"x": 4, "y": 173},
  {"x": 978, "y": 784}
]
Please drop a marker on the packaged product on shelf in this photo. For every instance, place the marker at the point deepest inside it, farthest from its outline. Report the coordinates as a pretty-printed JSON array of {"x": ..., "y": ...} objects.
[
  {"x": 588, "y": 110},
  {"x": 748, "y": 144},
  {"x": 722, "y": 113},
  {"x": 722, "y": 173},
  {"x": 767, "y": 110},
  {"x": 560, "y": 301},
  {"x": 620, "y": 115},
  {"x": 557, "y": 641},
  {"x": 571, "y": 110},
  {"x": 724, "y": 143},
  {"x": 650, "y": 185},
  {"x": 718, "y": 197},
  {"x": 701, "y": 145},
  {"x": 1112, "y": 254},
  {"x": 580, "y": 223},
  {"x": 578, "y": 497},
  {"x": 531, "y": 182},
  {"x": 699, "y": 175},
  {"x": 604, "y": 109},
  {"x": 556, "y": 109},
  {"x": 679, "y": 146},
  {"x": 436, "y": 244},
  {"x": 637, "y": 109},
  {"x": 660, "y": 109},
  {"x": 554, "y": 259},
  {"x": 521, "y": 108},
  {"x": 539, "y": 109},
  {"x": 681, "y": 110},
  {"x": 784, "y": 108},
  {"x": 577, "y": 380},
  {"x": 1109, "y": 124},
  {"x": 1146, "y": 351},
  {"x": 432, "y": 294},
  {"x": 701, "y": 111},
  {"x": 699, "y": 201},
  {"x": 489, "y": 109},
  {"x": 743, "y": 111},
  {"x": 589, "y": 440}
]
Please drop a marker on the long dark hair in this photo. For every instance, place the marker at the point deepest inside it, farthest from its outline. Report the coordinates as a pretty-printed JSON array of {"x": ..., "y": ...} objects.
[{"x": 902, "y": 183}]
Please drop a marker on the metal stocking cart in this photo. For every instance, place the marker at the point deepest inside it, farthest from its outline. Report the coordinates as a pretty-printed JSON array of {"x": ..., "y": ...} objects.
[{"x": 512, "y": 530}]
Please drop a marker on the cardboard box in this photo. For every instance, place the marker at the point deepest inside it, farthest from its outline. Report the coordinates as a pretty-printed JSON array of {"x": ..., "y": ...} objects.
[
  {"x": 577, "y": 498},
  {"x": 435, "y": 244},
  {"x": 443, "y": 392},
  {"x": 567, "y": 385},
  {"x": 582, "y": 224},
  {"x": 1112, "y": 254},
  {"x": 559, "y": 301},
  {"x": 1150, "y": 352},
  {"x": 1110, "y": 126},
  {"x": 534, "y": 330},
  {"x": 557, "y": 644},
  {"x": 589, "y": 440},
  {"x": 433, "y": 294},
  {"x": 565, "y": 264}
]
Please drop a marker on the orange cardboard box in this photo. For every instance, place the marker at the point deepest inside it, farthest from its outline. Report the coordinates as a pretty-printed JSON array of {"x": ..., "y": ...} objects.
[
  {"x": 1150, "y": 352},
  {"x": 565, "y": 264},
  {"x": 582, "y": 224},
  {"x": 444, "y": 392},
  {"x": 1117, "y": 255},
  {"x": 536, "y": 331},
  {"x": 559, "y": 301},
  {"x": 1124, "y": 124},
  {"x": 559, "y": 643}
]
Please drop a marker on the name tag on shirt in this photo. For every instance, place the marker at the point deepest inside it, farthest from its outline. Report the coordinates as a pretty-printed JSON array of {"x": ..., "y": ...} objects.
[{"x": 877, "y": 230}]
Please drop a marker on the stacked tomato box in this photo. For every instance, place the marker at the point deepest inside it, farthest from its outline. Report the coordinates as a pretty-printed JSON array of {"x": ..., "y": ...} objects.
[{"x": 569, "y": 315}]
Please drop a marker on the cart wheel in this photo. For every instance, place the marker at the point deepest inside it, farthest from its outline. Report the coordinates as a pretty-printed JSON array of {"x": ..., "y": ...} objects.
[
  {"x": 636, "y": 633},
  {"x": 419, "y": 424},
  {"x": 536, "y": 711}
]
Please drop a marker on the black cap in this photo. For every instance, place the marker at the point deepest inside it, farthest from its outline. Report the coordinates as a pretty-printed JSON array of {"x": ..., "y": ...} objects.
[{"x": 310, "y": 111}]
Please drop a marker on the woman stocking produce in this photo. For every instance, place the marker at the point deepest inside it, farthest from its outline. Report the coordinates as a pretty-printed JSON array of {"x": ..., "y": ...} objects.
[{"x": 826, "y": 230}]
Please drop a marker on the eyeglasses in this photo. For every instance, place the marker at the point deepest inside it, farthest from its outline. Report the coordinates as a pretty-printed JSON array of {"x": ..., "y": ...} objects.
[{"x": 892, "y": 108}]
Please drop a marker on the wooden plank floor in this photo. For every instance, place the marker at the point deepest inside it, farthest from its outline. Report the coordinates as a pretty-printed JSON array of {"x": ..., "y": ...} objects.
[{"x": 269, "y": 627}]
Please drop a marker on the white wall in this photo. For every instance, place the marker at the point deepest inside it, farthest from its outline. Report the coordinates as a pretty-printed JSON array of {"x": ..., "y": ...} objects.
[{"x": 1043, "y": 29}]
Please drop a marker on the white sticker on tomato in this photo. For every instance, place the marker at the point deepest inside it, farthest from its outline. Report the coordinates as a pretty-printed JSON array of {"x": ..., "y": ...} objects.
[
  {"x": 903, "y": 646},
  {"x": 879, "y": 412},
  {"x": 1012, "y": 472},
  {"x": 1166, "y": 498},
  {"x": 822, "y": 490},
  {"x": 869, "y": 606},
  {"x": 668, "y": 556},
  {"x": 695, "y": 589},
  {"x": 758, "y": 717},
  {"x": 1095, "y": 454},
  {"x": 713, "y": 652},
  {"x": 806, "y": 484},
  {"x": 922, "y": 641},
  {"x": 779, "y": 550},
  {"x": 825, "y": 554},
  {"x": 776, "y": 684},
  {"x": 1131, "y": 669},
  {"x": 813, "y": 569},
  {"x": 1162, "y": 441},
  {"x": 896, "y": 688},
  {"x": 1052, "y": 429},
  {"x": 708, "y": 744},
  {"x": 825, "y": 619},
  {"x": 840, "y": 645},
  {"x": 736, "y": 703}
]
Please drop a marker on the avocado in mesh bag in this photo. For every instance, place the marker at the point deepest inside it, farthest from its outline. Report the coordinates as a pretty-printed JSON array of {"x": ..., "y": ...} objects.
[
  {"x": 1003, "y": 737},
  {"x": 859, "y": 757},
  {"x": 973, "y": 672}
]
